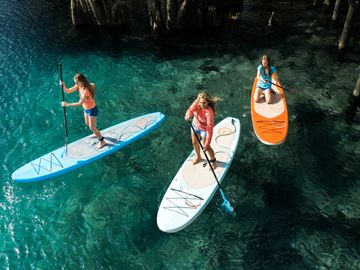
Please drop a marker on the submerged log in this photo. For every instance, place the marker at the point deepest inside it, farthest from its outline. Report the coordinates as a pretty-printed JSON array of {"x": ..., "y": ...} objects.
[
  {"x": 345, "y": 35},
  {"x": 272, "y": 21},
  {"x": 100, "y": 12}
]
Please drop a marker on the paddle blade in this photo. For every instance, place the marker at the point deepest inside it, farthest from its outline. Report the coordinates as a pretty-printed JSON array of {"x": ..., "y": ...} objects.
[
  {"x": 226, "y": 205},
  {"x": 228, "y": 208}
]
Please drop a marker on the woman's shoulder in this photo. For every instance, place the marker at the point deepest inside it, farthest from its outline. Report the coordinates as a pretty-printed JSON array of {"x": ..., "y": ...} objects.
[
  {"x": 209, "y": 111},
  {"x": 84, "y": 90},
  {"x": 273, "y": 69}
]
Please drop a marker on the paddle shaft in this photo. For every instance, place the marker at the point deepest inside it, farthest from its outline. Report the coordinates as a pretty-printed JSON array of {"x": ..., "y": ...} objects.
[
  {"x": 207, "y": 158},
  {"x": 281, "y": 87},
  {"x": 64, "y": 108}
]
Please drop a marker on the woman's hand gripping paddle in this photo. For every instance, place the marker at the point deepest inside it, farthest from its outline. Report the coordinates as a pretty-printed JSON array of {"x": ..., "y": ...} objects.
[
  {"x": 226, "y": 204},
  {"x": 280, "y": 86}
]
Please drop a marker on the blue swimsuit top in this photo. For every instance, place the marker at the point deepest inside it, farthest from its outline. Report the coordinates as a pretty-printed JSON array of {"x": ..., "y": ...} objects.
[{"x": 264, "y": 75}]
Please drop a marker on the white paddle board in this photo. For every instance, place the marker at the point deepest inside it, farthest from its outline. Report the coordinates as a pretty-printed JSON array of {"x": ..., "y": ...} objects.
[
  {"x": 84, "y": 151},
  {"x": 194, "y": 185}
]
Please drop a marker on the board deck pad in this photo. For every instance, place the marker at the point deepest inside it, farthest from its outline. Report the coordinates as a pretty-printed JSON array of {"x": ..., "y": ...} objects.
[
  {"x": 194, "y": 185},
  {"x": 86, "y": 147},
  {"x": 84, "y": 151}
]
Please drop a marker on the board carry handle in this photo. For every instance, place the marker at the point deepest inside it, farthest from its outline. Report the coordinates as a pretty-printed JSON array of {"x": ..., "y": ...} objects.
[{"x": 226, "y": 204}]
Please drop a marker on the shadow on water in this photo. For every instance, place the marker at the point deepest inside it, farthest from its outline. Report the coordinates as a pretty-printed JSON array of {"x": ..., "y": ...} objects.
[
  {"x": 318, "y": 134},
  {"x": 290, "y": 239},
  {"x": 293, "y": 229}
]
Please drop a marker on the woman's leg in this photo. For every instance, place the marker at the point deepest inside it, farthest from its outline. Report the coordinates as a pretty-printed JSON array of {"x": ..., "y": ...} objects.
[
  {"x": 257, "y": 95},
  {"x": 211, "y": 155},
  {"x": 268, "y": 96},
  {"x": 87, "y": 122},
  {"x": 196, "y": 145},
  {"x": 87, "y": 119},
  {"x": 92, "y": 126}
]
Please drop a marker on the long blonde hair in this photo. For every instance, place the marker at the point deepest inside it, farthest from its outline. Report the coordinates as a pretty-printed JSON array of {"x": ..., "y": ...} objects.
[
  {"x": 85, "y": 83},
  {"x": 210, "y": 100}
]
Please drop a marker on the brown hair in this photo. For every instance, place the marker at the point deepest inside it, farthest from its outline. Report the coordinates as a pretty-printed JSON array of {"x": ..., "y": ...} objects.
[
  {"x": 269, "y": 65},
  {"x": 267, "y": 58},
  {"x": 85, "y": 83}
]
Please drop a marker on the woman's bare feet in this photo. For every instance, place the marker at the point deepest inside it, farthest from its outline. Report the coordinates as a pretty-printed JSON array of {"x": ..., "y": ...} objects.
[
  {"x": 213, "y": 163},
  {"x": 101, "y": 144},
  {"x": 196, "y": 160}
]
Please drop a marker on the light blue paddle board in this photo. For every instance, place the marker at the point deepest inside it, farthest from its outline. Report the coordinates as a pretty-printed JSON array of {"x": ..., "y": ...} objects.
[{"x": 84, "y": 151}]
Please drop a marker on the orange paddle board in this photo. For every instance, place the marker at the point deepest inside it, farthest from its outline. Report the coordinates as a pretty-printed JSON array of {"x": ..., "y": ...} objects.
[{"x": 270, "y": 121}]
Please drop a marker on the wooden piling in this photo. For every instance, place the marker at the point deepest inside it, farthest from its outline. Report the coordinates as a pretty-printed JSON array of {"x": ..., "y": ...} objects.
[
  {"x": 356, "y": 92},
  {"x": 345, "y": 36},
  {"x": 354, "y": 103},
  {"x": 336, "y": 10}
]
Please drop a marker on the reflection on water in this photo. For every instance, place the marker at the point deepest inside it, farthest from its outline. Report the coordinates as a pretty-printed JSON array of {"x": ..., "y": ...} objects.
[{"x": 297, "y": 204}]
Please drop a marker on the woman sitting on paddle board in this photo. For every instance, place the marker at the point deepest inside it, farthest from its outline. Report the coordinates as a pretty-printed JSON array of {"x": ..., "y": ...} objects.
[
  {"x": 264, "y": 73},
  {"x": 86, "y": 92},
  {"x": 203, "y": 109}
]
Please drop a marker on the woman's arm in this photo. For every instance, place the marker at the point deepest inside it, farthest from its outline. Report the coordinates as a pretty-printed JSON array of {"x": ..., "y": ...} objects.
[
  {"x": 190, "y": 112},
  {"x": 260, "y": 78},
  {"x": 79, "y": 103},
  {"x": 68, "y": 90},
  {"x": 258, "y": 73},
  {"x": 209, "y": 127}
]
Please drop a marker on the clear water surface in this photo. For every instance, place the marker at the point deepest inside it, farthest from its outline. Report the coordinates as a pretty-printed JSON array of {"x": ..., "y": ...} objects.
[{"x": 297, "y": 204}]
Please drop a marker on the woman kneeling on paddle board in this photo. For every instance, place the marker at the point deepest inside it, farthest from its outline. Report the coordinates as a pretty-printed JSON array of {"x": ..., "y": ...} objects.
[
  {"x": 203, "y": 109},
  {"x": 87, "y": 93},
  {"x": 264, "y": 73}
]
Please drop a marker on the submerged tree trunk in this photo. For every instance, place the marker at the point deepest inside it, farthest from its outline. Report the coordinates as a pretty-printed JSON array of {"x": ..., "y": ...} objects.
[
  {"x": 356, "y": 92},
  {"x": 99, "y": 12},
  {"x": 163, "y": 15},
  {"x": 354, "y": 103},
  {"x": 181, "y": 14},
  {"x": 345, "y": 36},
  {"x": 336, "y": 10},
  {"x": 176, "y": 14}
]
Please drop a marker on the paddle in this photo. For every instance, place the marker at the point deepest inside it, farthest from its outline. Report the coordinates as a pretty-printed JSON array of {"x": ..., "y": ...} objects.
[
  {"x": 64, "y": 108},
  {"x": 280, "y": 86},
  {"x": 226, "y": 204}
]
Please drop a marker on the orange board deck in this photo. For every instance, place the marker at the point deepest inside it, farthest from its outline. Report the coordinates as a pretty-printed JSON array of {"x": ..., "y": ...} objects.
[{"x": 270, "y": 121}]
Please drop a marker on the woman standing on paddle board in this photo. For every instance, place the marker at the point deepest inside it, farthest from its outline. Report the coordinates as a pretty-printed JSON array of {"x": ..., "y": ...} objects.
[
  {"x": 264, "y": 73},
  {"x": 203, "y": 109},
  {"x": 87, "y": 93}
]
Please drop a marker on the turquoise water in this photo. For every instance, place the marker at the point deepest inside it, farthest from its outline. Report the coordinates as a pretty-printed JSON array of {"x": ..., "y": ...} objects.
[{"x": 297, "y": 204}]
